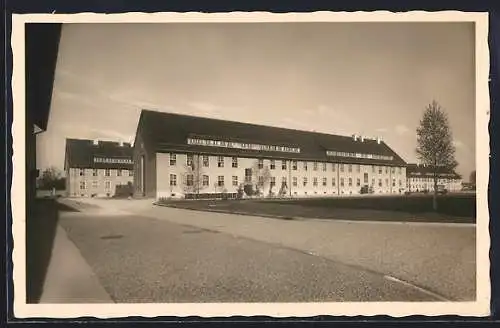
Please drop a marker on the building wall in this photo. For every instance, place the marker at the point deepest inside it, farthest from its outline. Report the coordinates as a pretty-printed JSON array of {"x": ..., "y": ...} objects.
[
  {"x": 99, "y": 185},
  {"x": 333, "y": 173},
  {"x": 144, "y": 184}
]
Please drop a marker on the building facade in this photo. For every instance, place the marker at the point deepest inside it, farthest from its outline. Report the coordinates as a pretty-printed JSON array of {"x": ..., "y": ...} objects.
[
  {"x": 420, "y": 178},
  {"x": 178, "y": 156},
  {"x": 97, "y": 168}
]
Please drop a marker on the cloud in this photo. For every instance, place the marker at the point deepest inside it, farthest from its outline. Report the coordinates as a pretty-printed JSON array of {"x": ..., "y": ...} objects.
[
  {"x": 402, "y": 129},
  {"x": 381, "y": 130}
]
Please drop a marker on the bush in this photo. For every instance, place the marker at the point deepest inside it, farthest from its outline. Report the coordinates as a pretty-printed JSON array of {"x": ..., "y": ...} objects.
[{"x": 248, "y": 189}]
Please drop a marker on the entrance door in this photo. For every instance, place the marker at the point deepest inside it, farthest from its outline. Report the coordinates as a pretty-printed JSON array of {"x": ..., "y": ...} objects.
[{"x": 143, "y": 176}]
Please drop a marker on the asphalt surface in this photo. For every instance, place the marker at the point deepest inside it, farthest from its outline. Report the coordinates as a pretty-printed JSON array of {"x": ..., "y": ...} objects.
[{"x": 142, "y": 259}]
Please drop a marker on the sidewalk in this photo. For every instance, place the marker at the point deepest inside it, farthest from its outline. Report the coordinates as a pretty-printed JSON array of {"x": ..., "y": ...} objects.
[{"x": 69, "y": 278}]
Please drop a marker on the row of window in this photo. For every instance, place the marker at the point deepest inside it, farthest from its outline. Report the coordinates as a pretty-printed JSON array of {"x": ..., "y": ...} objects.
[
  {"x": 95, "y": 184},
  {"x": 107, "y": 172},
  {"x": 358, "y": 155},
  {"x": 241, "y": 145},
  {"x": 234, "y": 163},
  {"x": 205, "y": 181}
]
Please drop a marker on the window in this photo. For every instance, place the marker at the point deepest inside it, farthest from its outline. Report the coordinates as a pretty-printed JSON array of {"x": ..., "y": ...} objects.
[
  {"x": 365, "y": 177},
  {"x": 130, "y": 173},
  {"x": 173, "y": 159},
  {"x": 399, "y": 170},
  {"x": 358, "y": 182},
  {"x": 305, "y": 166},
  {"x": 373, "y": 182},
  {"x": 107, "y": 172},
  {"x": 283, "y": 165},
  {"x": 119, "y": 173},
  {"x": 220, "y": 161},
  {"x": 294, "y": 165},
  {"x": 283, "y": 181},
  {"x": 189, "y": 180},
  {"x": 304, "y": 181},
  {"x": 294, "y": 181},
  {"x": 315, "y": 166},
  {"x": 95, "y": 184},
  {"x": 373, "y": 168},
  {"x": 341, "y": 182},
  {"x": 205, "y": 161},
  {"x": 273, "y": 164},
  {"x": 261, "y": 164},
  {"x": 341, "y": 167},
  {"x": 220, "y": 181},
  {"x": 82, "y": 173},
  {"x": 358, "y": 168},
  {"x": 234, "y": 162},
  {"x": 386, "y": 169},
  {"x": 380, "y": 170},
  {"x": 315, "y": 182},
  {"x": 82, "y": 185},
  {"x": 324, "y": 182},
  {"x": 173, "y": 180},
  {"x": 107, "y": 185},
  {"x": 189, "y": 160},
  {"x": 350, "y": 182},
  {"x": 394, "y": 182},
  {"x": 261, "y": 180},
  {"x": 94, "y": 172},
  {"x": 393, "y": 170},
  {"x": 235, "y": 180},
  {"x": 349, "y": 168},
  {"x": 400, "y": 183},
  {"x": 380, "y": 182},
  {"x": 324, "y": 167},
  {"x": 205, "y": 181},
  {"x": 333, "y": 182},
  {"x": 273, "y": 181}
]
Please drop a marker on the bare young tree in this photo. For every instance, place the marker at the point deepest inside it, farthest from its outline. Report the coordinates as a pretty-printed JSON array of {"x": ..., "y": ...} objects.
[
  {"x": 435, "y": 143},
  {"x": 192, "y": 179},
  {"x": 261, "y": 176}
]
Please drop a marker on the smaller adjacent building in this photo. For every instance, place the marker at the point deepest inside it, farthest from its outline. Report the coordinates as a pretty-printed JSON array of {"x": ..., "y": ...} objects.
[
  {"x": 97, "y": 168},
  {"x": 419, "y": 178}
]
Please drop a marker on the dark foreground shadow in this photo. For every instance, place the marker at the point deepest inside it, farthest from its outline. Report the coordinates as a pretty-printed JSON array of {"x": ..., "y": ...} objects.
[{"x": 41, "y": 226}]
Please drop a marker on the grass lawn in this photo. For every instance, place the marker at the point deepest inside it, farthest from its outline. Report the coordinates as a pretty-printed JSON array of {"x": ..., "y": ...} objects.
[{"x": 452, "y": 208}]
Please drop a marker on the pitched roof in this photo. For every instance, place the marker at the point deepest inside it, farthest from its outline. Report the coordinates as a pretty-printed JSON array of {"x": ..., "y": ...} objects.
[
  {"x": 164, "y": 132},
  {"x": 82, "y": 153},
  {"x": 418, "y": 170}
]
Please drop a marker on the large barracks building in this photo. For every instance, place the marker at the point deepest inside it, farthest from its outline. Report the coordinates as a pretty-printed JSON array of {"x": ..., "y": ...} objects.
[
  {"x": 178, "y": 156},
  {"x": 97, "y": 168},
  {"x": 421, "y": 178}
]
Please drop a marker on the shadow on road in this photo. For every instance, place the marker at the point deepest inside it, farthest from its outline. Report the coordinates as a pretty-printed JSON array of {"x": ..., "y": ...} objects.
[{"x": 41, "y": 226}]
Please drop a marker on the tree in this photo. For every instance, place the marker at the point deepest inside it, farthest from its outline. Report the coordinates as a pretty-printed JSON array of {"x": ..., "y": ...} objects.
[
  {"x": 51, "y": 178},
  {"x": 192, "y": 180},
  {"x": 261, "y": 176},
  {"x": 435, "y": 146},
  {"x": 472, "y": 178}
]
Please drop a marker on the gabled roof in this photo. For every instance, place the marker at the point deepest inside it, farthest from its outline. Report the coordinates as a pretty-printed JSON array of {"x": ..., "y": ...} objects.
[
  {"x": 164, "y": 132},
  {"x": 82, "y": 153},
  {"x": 420, "y": 170}
]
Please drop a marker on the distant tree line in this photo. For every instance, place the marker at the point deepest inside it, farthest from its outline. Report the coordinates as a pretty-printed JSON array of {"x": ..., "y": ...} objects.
[{"x": 50, "y": 179}]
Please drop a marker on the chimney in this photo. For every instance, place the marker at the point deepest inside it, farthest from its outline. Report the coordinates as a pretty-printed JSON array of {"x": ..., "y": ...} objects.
[
  {"x": 354, "y": 137},
  {"x": 96, "y": 142},
  {"x": 362, "y": 138},
  {"x": 378, "y": 140}
]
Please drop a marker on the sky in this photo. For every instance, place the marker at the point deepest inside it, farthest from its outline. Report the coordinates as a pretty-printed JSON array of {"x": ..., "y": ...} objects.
[{"x": 371, "y": 79}]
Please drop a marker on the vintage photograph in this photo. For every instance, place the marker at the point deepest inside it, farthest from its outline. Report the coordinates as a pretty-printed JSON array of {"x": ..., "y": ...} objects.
[{"x": 251, "y": 162}]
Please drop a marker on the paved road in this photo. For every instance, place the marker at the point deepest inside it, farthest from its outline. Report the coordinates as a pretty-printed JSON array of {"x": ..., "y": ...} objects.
[
  {"x": 143, "y": 259},
  {"x": 438, "y": 257}
]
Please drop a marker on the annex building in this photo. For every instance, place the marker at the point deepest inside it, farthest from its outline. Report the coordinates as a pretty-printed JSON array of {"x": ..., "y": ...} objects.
[
  {"x": 177, "y": 156},
  {"x": 97, "y": 168},
  {"x": 420, "y": 179}
]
